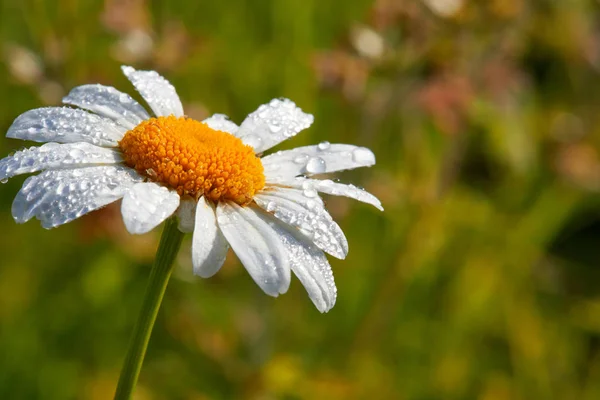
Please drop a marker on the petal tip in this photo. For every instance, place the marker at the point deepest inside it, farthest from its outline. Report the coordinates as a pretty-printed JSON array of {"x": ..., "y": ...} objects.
[
  {"x": 12, "y": 132},
  {"x": 135, "y": 230},
  {"x": 202, "y": 274},
  {"x": 364, "y": 155},
  {"x": 326, "y": 309},
  {"x": 127, "y": 70},
  {"x": 343, "y": 253}
]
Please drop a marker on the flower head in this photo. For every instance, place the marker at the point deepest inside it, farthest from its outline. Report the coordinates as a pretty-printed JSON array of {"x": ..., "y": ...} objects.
[{"x": 210, "y": 174}]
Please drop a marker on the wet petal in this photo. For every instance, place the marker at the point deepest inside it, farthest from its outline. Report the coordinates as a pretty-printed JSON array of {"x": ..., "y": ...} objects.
[
  {"x": 308, "y": 214},
  {"x": 327, "y": 186},
  {"x": 108, "y": 102},
  {"x": 56, "y": 156},
  {"x": 308, "y": 263},
  {"x": 186, "y": 214},
  {"x": 209, "y": 246},
  {"x": 273, "y": 123},
  {"x": 58, "y": 197},
  {"x": 156, "y": 90},
  {"x": 146, "y": 205},
  {"x": 65, "y": 125},
  {"x": 318, "y": 159},
  {"x": 257, "y": 246}
]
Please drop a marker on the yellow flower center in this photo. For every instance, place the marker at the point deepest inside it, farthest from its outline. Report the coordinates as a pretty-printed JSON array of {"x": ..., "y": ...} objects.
[{"x": 195, "y": 160}]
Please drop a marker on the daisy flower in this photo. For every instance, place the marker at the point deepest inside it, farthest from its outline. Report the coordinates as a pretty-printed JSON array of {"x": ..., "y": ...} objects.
[{"x": 211, "y": 174}]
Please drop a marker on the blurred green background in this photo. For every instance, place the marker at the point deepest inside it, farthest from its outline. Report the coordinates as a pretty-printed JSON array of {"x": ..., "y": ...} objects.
[{"x": 481, "y": 280}]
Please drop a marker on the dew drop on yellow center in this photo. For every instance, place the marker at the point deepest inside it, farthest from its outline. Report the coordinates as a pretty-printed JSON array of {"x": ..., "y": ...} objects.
[{"x": 195, "y": 160}]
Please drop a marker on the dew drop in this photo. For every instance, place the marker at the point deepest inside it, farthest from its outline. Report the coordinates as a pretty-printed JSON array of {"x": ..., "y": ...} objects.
[
  {"x": 76, "y": 153},
  {"x": 274, "y": 127},
  {"x": 316, "y": 165},
  {"x": 287, "y": 103},
  {"x": 326, "y": 183},
  {"x": 324, "y": 145},
  {"x": 30, "y": 162},
  {"x": 84, "y": 185},
  {"x": 301, "y": 159},
  {"x": 310, "y": 193}
]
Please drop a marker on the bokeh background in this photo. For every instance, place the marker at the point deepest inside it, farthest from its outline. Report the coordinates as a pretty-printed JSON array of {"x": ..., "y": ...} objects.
[{"x": 480, "y": 280}]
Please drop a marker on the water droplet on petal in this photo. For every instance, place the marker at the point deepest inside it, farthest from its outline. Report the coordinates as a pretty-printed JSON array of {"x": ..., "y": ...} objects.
[
  {"x": 323, "y": 145},
  {"x": 310, "y": 192},
  {"x": 76, "y": 153},
  {"x": 275, "y": 127},
  {"x": 316, "y": 165},
  {"x": 84, "y": 185},
  {"x": 301, "y": 159},
  {"x": 287, "y": 103},
  {"x": 326, "y": 183}
]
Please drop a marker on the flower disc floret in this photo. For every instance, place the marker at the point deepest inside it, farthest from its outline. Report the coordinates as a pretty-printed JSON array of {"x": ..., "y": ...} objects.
[{"x": 193, "y": 159}]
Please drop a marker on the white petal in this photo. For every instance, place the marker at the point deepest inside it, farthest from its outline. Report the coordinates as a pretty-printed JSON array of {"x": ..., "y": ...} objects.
[
  {"x": 309, "y": 186},
  {"x": 186, "y": 214},
  {"x": 65, "y": 125},
  {"x": 209, "y": 246},
  {"x": 146, "y": 205},
  {"x": 273, "y": 123},
  {"x": 108, "y": 102},
  {"x": 308, "y": 214},
  {"x": 220, "y": 122},
  {"x": 308, "y": 263},
  {"x": 319, "y": 159},
  {"x": 156, "y": 90},
  {"x": 56, "y": 156},
  {"x": 58, "y": 197},
  {"x": 257, "y": 246},
  {"x": 308, "y": 199}
]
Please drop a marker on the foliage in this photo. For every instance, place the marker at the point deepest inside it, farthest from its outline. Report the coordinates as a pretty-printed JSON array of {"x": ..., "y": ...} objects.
[{"x": 479, "y": 281}]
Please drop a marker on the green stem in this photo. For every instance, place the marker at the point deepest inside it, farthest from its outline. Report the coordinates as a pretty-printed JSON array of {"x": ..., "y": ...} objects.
[{"x": 170, "y": 242}]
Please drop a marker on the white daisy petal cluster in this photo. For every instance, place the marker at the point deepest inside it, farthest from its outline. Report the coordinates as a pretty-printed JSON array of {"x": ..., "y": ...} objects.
[{"x": 284, "y": 229}]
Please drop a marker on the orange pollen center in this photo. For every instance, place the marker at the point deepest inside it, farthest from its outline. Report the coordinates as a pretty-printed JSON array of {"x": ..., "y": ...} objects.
[{"x": 195, "y": 160}]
